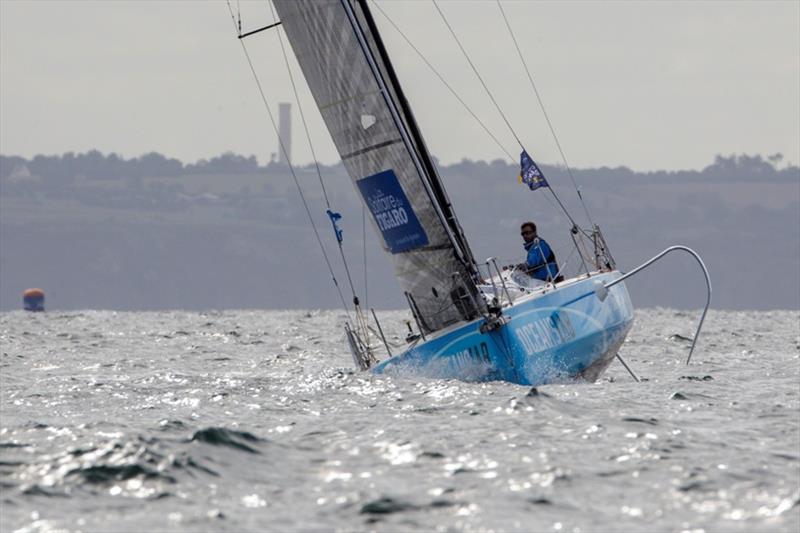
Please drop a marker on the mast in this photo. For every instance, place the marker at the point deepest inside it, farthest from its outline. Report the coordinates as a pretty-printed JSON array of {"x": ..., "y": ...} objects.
[
  {"x": 430, "y": 172},
  {"x": 371, "y": 123}
]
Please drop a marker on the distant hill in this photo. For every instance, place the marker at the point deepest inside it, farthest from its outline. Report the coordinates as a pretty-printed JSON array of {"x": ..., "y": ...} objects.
[{"x": 100, "y": 231}]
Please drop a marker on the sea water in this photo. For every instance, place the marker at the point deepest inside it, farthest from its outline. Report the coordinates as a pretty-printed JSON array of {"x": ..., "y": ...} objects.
[{"x": 256, "y": 421}]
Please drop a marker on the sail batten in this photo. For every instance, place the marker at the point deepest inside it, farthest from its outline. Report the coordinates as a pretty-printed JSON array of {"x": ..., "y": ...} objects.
[
  {"x": 370, "y": 148},
  {"x": 354, "y": 85}
]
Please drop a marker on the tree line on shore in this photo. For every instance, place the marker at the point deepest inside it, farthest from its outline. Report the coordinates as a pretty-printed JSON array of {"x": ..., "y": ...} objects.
[
  {"x": 102, "y": 231},
  {"x": 96, "y": 165}
]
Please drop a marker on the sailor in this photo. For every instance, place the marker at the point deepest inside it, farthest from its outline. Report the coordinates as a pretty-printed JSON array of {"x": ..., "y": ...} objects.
[{"x": 541, "y": 262}]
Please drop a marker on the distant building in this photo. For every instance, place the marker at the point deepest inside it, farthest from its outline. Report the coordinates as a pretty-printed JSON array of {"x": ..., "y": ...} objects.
[{"x": 285, "y": 132}]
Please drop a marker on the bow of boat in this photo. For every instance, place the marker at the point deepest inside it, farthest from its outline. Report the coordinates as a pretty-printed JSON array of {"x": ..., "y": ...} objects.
[{"x": 557, "y": 334}]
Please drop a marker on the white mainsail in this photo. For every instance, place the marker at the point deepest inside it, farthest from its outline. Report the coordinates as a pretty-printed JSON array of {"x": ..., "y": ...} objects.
[{"x": 350, "y": 76}]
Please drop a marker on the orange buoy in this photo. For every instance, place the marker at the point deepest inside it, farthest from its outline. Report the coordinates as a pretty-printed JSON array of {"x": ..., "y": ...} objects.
[{"x": 33, "y": 299}]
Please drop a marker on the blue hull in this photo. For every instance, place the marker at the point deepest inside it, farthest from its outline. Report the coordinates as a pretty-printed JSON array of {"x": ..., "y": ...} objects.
[{"x": 562, "y": 335}]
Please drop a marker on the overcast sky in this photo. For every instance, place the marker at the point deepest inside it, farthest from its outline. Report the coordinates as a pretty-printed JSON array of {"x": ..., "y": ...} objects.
[{"x": 650, "y": 85}]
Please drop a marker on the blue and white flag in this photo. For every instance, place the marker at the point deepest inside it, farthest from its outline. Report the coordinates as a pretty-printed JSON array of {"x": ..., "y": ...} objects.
[
  {"x": 529, "y": 173},
  {"x": 334, "y": 217}
]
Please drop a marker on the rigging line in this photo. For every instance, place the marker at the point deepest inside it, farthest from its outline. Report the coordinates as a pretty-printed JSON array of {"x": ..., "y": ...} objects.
[
  {"x": 566, "y": 261},
  {"x": 475, "y": 70},
  {"x": 300, "y": 108},
  {"x": 313, "y": 153},
  {"x": 364, "y": 246},
  {"x": 575, "y": 224},
  {"x": 441, "y": 78},
  {"x": 349, "y": 279},
  {"x": 454, "y": 93},
  {"x": 319, "y": 174},
  {"x": 491, "y": 97},
  {"x": 236, "y": 26},
  {"x": 292, "y": 170},
  {"x": 296, "y": 181},
  {"x": 544, "y": 111}
]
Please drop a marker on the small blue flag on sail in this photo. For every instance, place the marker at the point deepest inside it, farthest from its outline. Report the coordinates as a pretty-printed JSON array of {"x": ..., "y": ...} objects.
[
  {"x": 529, "y": 173},
  {"x": 334, "y": 217}
]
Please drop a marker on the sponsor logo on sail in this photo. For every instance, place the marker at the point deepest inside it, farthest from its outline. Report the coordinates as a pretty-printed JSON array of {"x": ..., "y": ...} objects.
[
  {"x": 392, "y": 212},
  {"x": 388, "y": 210}
]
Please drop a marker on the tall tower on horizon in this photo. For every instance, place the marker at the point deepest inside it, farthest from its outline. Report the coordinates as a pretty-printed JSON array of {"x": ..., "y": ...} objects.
[{"x": 285, "y": 132}]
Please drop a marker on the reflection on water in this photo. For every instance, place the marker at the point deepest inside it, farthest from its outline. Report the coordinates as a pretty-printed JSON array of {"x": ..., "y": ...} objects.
[{"x": 255, "y": 420}]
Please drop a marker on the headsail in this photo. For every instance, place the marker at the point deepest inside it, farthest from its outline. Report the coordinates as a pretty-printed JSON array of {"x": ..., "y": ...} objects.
[{"x": 354, "y": 85}]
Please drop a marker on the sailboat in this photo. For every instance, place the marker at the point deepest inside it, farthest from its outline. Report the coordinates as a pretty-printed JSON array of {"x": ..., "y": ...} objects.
[{"x": 475, "y": 321}]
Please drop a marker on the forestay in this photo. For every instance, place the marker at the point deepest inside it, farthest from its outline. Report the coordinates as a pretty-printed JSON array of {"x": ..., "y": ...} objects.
[{"x": 353, "y": 83}]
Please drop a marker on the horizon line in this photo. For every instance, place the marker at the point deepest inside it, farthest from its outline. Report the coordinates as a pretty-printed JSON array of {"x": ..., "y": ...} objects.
[{"x": 775, "y": 160}]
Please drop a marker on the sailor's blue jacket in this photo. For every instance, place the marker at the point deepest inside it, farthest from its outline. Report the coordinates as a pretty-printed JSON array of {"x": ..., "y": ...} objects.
[{"x": 541, "y": 260}]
